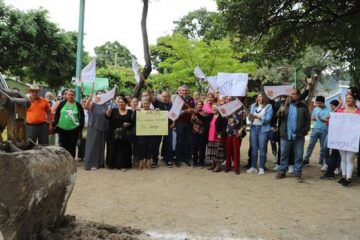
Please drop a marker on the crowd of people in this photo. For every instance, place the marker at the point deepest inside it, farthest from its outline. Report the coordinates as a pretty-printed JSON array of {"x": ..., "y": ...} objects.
[{"x": 105, "y": 135}]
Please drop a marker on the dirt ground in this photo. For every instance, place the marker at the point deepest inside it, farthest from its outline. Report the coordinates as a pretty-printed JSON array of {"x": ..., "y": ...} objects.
[{"x": 194, "y": 203}]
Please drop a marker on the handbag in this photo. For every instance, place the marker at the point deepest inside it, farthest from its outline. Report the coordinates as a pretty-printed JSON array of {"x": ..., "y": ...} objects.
[{"x": 124, "y": 134}]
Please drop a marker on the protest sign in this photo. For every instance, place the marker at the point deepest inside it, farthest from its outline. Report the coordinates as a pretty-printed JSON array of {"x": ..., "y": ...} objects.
[
  {"x": 175, "y": 110},
  {"x": 151, "y": 123},
  {"x": 198, "y": 73},
  {"x": 232, "y": 84},
  {"x": 229, "y": 108},
  {"x": 344, "y": 131},
  {"x": 213, "y": 85},
  {"x": 274, "y": 91},
  {"x": 100, "y": 84},
  {"x": 135, "y": 69},
  {"x": 88, "y": 74},
  {"x": 103, "y": 98}
]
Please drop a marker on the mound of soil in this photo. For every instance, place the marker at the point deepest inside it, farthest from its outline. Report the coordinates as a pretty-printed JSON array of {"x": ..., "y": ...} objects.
[{"x": 69, "y": 228}]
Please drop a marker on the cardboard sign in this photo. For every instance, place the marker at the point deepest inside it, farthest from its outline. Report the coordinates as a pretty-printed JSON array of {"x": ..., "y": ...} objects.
[
  {"x": 229, "y": 108},
  {"x": 151, "y": 123},
  {"x": 232, "y": 84},
  {"x": 344, "y": 131},
  {"x": 275, "y": 91},
  {"x": 175, "y": 110}
]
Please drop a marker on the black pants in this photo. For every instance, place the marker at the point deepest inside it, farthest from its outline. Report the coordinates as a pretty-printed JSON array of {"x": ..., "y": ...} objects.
[
  {"x": 156, "y": 146},
  {"x": 68, "y": 140},
  {"x": 183, "y": 142},
  {"x": 198, "y": 148},
  {"x": 333, "y": 162},
  {"x": 167, "y": 149},
  {"x": 81, "y": 148}
]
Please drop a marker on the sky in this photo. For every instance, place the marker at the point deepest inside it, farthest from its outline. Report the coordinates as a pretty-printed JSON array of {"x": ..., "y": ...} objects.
[{"x": 116, "y": 20}]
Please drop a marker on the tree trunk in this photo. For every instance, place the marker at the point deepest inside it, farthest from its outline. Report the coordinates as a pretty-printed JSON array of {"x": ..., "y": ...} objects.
[{"x": 147, "y": 68}]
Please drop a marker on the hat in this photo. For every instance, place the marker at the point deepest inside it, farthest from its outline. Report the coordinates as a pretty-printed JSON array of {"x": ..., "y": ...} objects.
[
  {"x": 320, "y": 99},
  {"x": 34, "y": 87}
]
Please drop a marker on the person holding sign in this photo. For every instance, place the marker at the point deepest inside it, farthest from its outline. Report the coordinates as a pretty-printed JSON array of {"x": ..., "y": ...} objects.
[
  {"x": 236, "y": 124},
  {"x": 347, "y": 156},
  {"x": 183, "y": 129},
  {"x": 260, "y": 116},
  {"x": 96, "y": 134},
  {"x": 120, "y": 136},
  {"x": 294, "y": 119},
  {"x": 144, "y": 145}
]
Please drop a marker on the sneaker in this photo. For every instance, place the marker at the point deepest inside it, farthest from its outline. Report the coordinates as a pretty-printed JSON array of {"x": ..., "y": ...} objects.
[
  {"x": 324, "y": 168},
  {"x": 327, "y": 176},
  {"x": 337, "y": 171},
  {"x": 252, "y": 170},
  {"x": 276, "y": 168},
  {"x": 346, "y": 183},
  {"x": 341, "y": 180},
  {"x": 299, "y": 179},
  {"x": 291, "y": 169},
  {"x": 261, "y": 171},
  {"x": 306, "y": 163},
  {"x": 280, "y": 176},
  {"x": 169, "y": 164}
]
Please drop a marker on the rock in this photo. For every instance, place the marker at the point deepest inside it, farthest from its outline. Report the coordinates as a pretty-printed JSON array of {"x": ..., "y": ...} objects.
[{"x": 35, "y": 187}]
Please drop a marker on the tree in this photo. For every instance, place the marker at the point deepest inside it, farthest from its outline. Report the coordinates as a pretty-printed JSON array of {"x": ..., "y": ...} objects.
[
  {"x": 112, "y": 53},
  {"x": 284, "y": 28},
  {"x": 147, "y": 68},
  {"x": 201, "y": 24},
  {"x": 179, "y": 56},
  {"x": 119, "y": 75},
  {"x": 34, "y": 48}
]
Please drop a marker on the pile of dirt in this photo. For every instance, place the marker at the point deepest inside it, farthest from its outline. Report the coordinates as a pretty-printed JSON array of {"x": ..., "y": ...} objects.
[{"x": 68, "y": 228}]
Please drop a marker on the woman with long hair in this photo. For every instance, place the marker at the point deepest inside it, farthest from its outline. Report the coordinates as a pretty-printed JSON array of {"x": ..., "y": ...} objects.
[{"x": 260, "y": 116}]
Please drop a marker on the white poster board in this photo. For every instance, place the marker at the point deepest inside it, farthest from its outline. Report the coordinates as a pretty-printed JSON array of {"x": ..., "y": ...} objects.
[
  {"x": 232, "y": 84},
  {"x": 344, "y": 131},
  {"x": 105, "y": 97},
  {"x": 229, "y": 108},
  {"x": 175, "y": 110},
  {"x": 275, "y": 91},
  {"x": 213, "y": 85}
]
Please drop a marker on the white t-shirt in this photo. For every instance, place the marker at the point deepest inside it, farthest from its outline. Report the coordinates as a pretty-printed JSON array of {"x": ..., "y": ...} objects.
[{"x": 259, "y": 112}]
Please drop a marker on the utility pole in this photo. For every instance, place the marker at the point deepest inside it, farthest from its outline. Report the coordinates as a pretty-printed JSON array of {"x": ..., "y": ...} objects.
[{"x": 79, "y": 53}]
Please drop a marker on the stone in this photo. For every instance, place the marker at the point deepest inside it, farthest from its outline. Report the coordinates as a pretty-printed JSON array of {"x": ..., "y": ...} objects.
[{"x": 35, "y": 187}]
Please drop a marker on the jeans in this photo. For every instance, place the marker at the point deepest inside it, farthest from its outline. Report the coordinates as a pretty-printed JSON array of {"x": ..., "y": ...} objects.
[
  {"x": 315, "y": 135},
  {"x": 297, "y": 145},
  {"x": 333, "y": 162},
  {"x": 183, "y": 142},
  {"x": 258, "y": 141}
]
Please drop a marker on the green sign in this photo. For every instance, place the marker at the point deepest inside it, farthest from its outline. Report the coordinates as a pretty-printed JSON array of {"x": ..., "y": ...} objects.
[{"x": 100, "y": 84}]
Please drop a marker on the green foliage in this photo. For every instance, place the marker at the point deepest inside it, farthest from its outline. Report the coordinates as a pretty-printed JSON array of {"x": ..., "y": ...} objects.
[
  {"x": 112, "y": 53},
  {"x": 175, "y": 58},
  {"x": 201, "y": 24},
  {"x": 121, "y": 76},
  {"x": 284, "y": 28},
  {"x": 34, "y": 48}
]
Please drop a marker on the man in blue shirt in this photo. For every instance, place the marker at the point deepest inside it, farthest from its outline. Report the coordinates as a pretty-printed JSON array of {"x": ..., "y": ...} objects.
[
  {"x": 294, "y": 119},
  {"x": 320, "y": 117}
]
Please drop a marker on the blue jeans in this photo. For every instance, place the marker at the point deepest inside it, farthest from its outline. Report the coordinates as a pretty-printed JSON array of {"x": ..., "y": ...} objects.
[
  {"x": 298, "y": 149},
  {"x": 315, "y": 135},
  {"x": 258, "y": 141}
]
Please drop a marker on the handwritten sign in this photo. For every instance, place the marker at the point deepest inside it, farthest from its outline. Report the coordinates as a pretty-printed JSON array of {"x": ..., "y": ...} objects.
[
  {"x": 229, "y": 108},
  {"x": 232, "y": 84},
  {"x": 274, "y": 91},
  {"x": 175, "y": 110},
  {"x": 151, "y": 123},
  {"x": 344, "y": 131}
]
